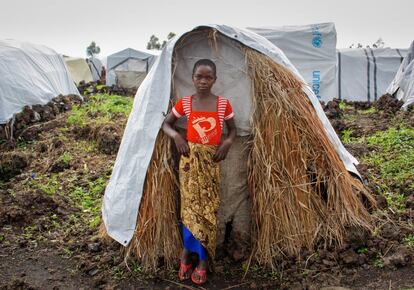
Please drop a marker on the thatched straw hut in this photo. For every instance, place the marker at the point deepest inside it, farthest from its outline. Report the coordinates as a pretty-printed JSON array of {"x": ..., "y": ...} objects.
[{"x": 287, "y": 162}]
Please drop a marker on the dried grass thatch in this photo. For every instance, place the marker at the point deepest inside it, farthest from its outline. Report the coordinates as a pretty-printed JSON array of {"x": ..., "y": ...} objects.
[
  {"x": 302, "y": 192},
  {"x": 157, "y": 235}
]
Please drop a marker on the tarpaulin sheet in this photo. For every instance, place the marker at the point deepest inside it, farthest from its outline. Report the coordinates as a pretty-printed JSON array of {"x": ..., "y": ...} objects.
[
  {"x": 402, "y": 85},
  {"x": 312, "y": 50},
  {"x": 365, "y": 73},
  {"x": 30, "y": 74}
]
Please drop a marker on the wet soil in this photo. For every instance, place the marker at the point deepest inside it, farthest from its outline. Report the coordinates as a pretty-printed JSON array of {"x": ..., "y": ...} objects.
[{"x": 47, "y": 243}]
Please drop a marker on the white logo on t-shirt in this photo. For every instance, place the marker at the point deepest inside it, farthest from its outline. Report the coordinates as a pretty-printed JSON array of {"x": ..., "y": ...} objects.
[{"x": 203, "y": 125}]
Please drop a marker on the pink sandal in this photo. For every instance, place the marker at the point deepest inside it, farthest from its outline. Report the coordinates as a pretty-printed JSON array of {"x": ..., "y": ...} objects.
[
  {"x": 185, "y": 271},
  {"x": 202, "y": 276}
]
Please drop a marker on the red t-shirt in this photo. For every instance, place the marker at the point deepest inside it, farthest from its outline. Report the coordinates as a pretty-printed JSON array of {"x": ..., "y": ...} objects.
[{"x": 204, "y": 127}]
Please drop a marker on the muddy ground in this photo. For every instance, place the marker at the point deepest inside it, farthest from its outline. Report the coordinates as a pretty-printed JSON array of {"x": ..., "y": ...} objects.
[{"x": 52, "y": 182}]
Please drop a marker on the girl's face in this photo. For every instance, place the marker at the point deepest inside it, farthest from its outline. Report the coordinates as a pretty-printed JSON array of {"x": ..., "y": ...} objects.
[{"x": 204, "y": 78}]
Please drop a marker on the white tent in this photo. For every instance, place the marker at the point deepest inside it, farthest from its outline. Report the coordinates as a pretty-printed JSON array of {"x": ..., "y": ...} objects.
[
  {"x": 30, "y": 74},
  {"x": 127, "y": 68},
  {"x": 403, "y": 84},
  {"x": 365, "y": 73},
  {"x": 95, "y": 65},
  {"x": 124, "y": 191},
  {"x": 78, "y": 69},
  {"x": 312, "y": 50}
]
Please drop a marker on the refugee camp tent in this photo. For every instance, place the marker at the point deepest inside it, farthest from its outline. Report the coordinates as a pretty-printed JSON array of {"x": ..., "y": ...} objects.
[
  {"x": 402, "y": 86},
  {"x": 312, "y": 50},
  {"x": 139, "y": 207},
  {"x": 95, "y": 66},
  {"x": 78, "y": 69},
  {"x": 127, "y": 68},
  {"x": 30, "y": 74},
  {"x": 365, "y": 73}
]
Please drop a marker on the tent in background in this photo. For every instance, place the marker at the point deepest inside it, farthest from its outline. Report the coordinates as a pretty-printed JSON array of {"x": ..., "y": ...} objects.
[
  {"x": 127, "y": 68},
  {"x": 402, "y": 87},
  {"x": 95, "y": 66},
  {"x": 78, "y": 69},
  {"x": 365, "y": 73},
  {"x": 312, "y": 50},
  {"x": 30, "y": 74}
]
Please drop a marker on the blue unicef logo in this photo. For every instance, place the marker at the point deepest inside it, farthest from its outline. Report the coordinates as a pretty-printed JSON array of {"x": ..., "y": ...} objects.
[{"x": 317, "y": 41}]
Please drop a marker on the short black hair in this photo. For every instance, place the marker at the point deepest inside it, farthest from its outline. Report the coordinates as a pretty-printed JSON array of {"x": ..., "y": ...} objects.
[{"x": 207, "y": 62}]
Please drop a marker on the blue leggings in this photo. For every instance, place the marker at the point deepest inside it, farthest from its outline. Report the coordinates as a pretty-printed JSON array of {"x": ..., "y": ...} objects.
[{"x": 193, "y": 245}]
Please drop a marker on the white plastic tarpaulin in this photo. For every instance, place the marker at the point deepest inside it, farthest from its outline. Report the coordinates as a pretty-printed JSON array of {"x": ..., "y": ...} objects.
[
  {"x": 124, "y": 190},
  {"x": 365, "y": 73},
  {"x": 312, "y": 50},
  {"x": 128, "y": 60},
  {"x": 78, "y": 69},
  {"x": 95, "y": 65},
  {"x": 30, "y": 74},
  {"x": 402, "y": 85}
]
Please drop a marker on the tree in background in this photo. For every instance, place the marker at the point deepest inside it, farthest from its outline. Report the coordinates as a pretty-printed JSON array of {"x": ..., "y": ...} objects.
[
  {"x": 92, "y": 49},
  {"x": 154, "y": 42},
  {"x": 377, "y": 44}
]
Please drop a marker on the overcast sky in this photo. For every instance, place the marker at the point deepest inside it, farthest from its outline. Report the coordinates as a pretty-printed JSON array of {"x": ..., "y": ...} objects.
[{"x": 70, "y": 26}]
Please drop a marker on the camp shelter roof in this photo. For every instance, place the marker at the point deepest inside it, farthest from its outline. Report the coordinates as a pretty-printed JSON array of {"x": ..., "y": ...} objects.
[
  {"x": 124, "y": 190},
  {"x": 365, "y": 73},
  {"x": 128, "y": 66},
  {"x": 78, "y": 69},
  {"x": 30, "y": 74},
  {"x": 312, "y": 50},
  {"x": 402, "y": 86},
  {"x": 115, "y": 59}
]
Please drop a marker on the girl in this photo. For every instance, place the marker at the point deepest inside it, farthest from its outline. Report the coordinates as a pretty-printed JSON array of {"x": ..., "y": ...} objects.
[{"x": 199, "y": 169}]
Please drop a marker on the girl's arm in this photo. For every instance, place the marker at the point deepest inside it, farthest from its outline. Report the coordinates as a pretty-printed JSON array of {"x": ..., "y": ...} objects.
[
  {"x": 224, "y": 147},
  {"x": 180, "y": 142}
]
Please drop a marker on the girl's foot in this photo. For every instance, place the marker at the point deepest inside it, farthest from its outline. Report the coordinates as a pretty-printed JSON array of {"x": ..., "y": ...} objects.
[
  {"x": 185, "y": 266},
  {"x": 185, "y": 271},
  {"x": 198, "y": 276}
]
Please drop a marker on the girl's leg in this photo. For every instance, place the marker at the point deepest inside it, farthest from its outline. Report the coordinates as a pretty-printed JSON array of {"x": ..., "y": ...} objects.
[
  {"x": 185, "y": 270},
  {"x": 199, "y": 275},
  {"x": 185, "y": 256}
]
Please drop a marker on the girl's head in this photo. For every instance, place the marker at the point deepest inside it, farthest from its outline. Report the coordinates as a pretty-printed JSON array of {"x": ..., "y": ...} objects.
[
  {"x": 204, "y": 75},
  {"x": 205, "y": 62}
]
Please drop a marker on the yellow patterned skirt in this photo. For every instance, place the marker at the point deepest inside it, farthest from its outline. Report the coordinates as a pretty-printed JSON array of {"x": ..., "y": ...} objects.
[{"x": 199, "y": 190}]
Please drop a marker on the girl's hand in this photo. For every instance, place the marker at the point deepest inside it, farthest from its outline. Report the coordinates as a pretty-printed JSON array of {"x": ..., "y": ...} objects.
[
  {"x": 181, "y": 144},
  {"x": 222, "y": 151}
]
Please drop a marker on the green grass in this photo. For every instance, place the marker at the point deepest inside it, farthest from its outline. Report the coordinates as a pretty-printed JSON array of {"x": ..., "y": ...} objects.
[
  {"x": 99, "y": 109},
  {"x": 66, "y": 157},
  {"x": 378, "y": 261},
  {"x": 362, "y": 250},
  {"x": 47, "y": 184},
  {"x": 86, "y": 146},
  {"x": 409, "y": 240},
  {"x": 371, "y": 110},
  {"x": 24, "y": 144},
  {"x": 29, "y": 232},
  {"x": 88, "y": 199},
  {"x": 393, "y": 158},
  {"x": 346, "y": 136},
  {"x": 342, "y": 105}
]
